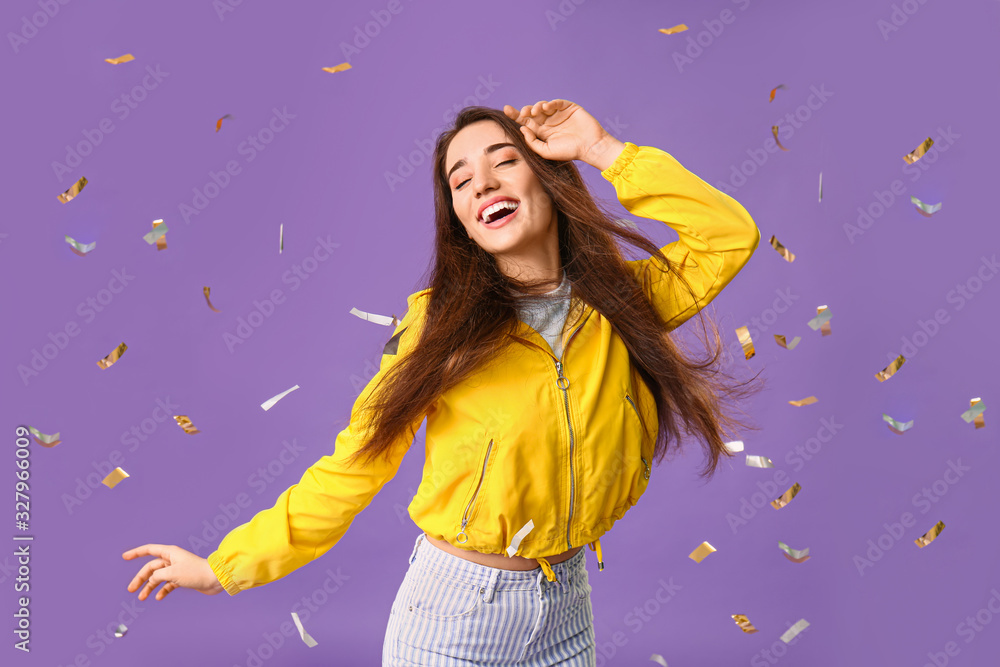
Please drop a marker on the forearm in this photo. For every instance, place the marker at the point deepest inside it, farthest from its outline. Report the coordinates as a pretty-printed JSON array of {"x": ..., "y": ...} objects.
[{"x": 604, "y": 153}]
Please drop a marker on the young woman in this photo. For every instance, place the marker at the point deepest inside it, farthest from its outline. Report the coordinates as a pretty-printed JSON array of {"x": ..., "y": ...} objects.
[{"x": 541, "y": 360}]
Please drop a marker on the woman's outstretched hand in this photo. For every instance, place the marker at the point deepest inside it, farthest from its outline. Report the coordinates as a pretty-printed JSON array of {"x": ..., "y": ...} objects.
[
  {"x": 175, "y": 568},
  {"x": 562, "y": 130}
]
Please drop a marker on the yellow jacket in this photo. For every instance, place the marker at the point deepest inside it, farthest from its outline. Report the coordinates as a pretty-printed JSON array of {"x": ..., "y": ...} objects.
[{"x": 564, "y": 443}]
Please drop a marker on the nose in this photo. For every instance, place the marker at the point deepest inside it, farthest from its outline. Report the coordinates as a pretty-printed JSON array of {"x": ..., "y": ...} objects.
[{"x": 484, "y": 182}]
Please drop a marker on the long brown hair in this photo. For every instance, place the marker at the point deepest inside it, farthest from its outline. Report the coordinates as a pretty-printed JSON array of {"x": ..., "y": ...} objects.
[{"x": 472, "y": 311}]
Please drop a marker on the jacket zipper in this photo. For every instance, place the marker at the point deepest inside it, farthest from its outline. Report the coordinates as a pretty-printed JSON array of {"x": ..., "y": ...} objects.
[
  {"x": 569, "y": 423},
  {"x": 644, "y": 462},
  {"x": 465, "y": 514}
]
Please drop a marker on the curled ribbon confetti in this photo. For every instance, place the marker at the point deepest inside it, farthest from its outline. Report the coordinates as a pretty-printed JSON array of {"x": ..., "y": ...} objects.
[
  {"x": 206, "y": 291},
  {"x": 787, "y": 496},
  {"x": 73, "y": 191},
  {"x": 775, "y": 90},
  {"x": 919, "y": 151},
  {"x": 120, "y": 59},
  {"x": 115, "y": 355}
]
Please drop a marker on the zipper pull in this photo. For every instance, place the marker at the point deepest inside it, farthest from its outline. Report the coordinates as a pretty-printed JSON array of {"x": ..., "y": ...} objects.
[
  {"x": 647, "y": 467},
  {"x": 562, "y": 381}
]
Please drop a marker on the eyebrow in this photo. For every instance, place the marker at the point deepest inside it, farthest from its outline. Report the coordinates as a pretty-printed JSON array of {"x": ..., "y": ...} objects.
[{"x": 486, "y": 151}]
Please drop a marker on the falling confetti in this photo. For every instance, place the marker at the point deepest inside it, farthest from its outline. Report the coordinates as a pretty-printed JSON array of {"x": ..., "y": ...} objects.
[
  {"x": 120, "y": 59},
  {"x": 755, "y": 461},
  {"x": 744, "y": 623},
  {"x": 891, "y": 369},
  {"x": 774, "y": 131},
  {"x": 515, "y": 542},
  {"x": 281, "y": 238},
  {"x": 337, "y": 68},
  {"x": 794, "y": 555},
  {"x": 926, "y": 210},
  {"x": 975, "y": 413},
  {"x": 775, "y": 90},
  {"x": 701, "y": 551},
  {"x": 680, "y": 27},
  {"x": 156, "y": 236},
  {"x": 206, "y": 291},
  {"x": 782, "y": 250},
  {"x": 793, "y": 631},
  {"x": 80, "y": 249},
  {"x": 310, "y": 642},
  {"x": 821, "y": 186},
  {"x": 658, "y": 659},
  {"x": 822, "y": 320},
  {"x": 919, "y": 151},
  {"x": 787, "y": 496},
  {"x": 895, "y": 426},
  {"x": 788, "y": 346},
  {"x": 115, "y": 355},
  {"x": 269, "y": 403},
  {"x": 73, "y": 191},
  {"x": 218, "y": 123},
  {"x": 734, "y": 446},
  {"x": 377, "y": 319},
  {"x": 743, "y": 333},
  {"x": 805, "y": 401},
  {"x": 930, "y": 535},
  {"x": 120, "y": 630},
  {"x": 185, "y": 423},
  {"x": 43, "y": 439},
  {"x": 114, "y": 477}
]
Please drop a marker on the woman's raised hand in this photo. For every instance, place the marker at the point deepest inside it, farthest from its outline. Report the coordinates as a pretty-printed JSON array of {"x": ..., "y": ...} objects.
[
  {"x": 559, "y": 129},
  {"x": 175, "y": 568}
]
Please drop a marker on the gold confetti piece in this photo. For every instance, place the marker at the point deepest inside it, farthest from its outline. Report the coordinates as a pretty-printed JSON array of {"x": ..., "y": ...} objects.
[
  {"x": 120, "y": 59},
  {"x": 788, "y": 346},
  {"x": 310, "y": 642},
  {"x": 774, "y": 131},
  {"x": 744, "y": 623},
  {"x": 115, "y": 355},
  {"x": 206, "y": 290},
  {"x": 787, "y": 496},
  {"x": 377, "y": 319},
  {"x": 805, "y": 401},
  {"x": 159, "y": 229},
  {"x": 891, "y": 369},
  {"x": 895, "y": 426},
  {"x": 515, "y": 542},
  {"x": 975, "y": 413},
  {"x": 218, "y": 123},
  {"x": 337, "y": 68},
  {"x": 120, "y": 630},
  {"x": 73, "y": 191},
  {"x": 926, "y": 210},
  {"x": 821, "y": 320},
  {"x": 775, "y": 90},
  {"x": 797, "y": 555},
  {"x": 185, "y": 423},
  {"x": 701, "y": 551},
  {"x": 281, "y": 238},
  {"x": 930, "y": 535},
  {"x": 269, "y": 403},
  {"x": 658, "y": 659},
  {"x": 821, "y": 186},
  {"x": 43, "y": 439},
  {"x": 919, "y": 151},
  {"x": 743, "y": 333},
  {"x": 114, "y": 477},
  {"x": 680, "y": 27},
  {"x": 735, "y": 446},
  {"x": 756, "y": 461},
  {"x": 80, "y": 249},
  {"x": 782, "y": 250},
  {"x": 793, "y": 631}
]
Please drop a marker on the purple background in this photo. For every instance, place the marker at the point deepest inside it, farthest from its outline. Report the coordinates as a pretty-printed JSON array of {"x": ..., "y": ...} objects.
[{"x": 324, "y": 176}]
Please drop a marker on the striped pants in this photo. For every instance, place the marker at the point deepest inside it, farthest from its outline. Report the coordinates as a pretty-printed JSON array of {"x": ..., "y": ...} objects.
[{"x": 450, "y": 612}]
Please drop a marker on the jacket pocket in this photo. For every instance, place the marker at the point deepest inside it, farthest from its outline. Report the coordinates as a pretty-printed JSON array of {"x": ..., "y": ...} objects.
[
  {"x": 462, "y": 537},
  {"x": 643, "y": 455}
]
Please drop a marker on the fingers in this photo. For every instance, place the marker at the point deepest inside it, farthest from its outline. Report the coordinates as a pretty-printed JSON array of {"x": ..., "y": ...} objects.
[
  {"x": 145, "y": 550},
  {"x": 145, "y": 573},
  {"x": 155, "y": 580},
  {"x": 167, "y": 587}
]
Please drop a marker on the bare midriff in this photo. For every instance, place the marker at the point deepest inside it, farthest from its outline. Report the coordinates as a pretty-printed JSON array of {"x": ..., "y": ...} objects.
[{"x": 500, "y": 561}]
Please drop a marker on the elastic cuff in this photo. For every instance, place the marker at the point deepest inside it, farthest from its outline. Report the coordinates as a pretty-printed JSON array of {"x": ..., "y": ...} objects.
[
  {"x": 223, "y": 573},
  {"x": 547, "y": 569},
  {"x": 622, "y": 161}
]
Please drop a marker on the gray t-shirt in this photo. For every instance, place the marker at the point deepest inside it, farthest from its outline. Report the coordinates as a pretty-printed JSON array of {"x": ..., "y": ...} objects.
[{"x": 547, "y": 314}]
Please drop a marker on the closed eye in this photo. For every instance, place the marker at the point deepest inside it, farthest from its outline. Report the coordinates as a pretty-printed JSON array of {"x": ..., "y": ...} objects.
[{"x": 467, "y": 180}]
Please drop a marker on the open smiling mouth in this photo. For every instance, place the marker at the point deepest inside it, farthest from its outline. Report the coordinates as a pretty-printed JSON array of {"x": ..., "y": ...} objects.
[{"x": 502, "y": 216}]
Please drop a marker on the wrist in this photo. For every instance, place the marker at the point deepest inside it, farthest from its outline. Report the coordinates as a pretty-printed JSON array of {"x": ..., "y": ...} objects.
[{"x": 604, "y": 152}]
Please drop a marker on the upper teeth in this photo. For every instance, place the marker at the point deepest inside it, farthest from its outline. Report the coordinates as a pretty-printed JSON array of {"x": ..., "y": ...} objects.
[{"x": 490, "y": 210}]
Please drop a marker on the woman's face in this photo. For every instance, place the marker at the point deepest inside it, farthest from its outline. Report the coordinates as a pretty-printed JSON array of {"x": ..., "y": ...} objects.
[{"x": 481, "y": 166}]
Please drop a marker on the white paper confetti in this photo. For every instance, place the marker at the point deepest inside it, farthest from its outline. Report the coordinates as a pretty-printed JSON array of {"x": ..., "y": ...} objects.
[
  {"x": 515, "y": 542},
  {"x": 269, "y": 403},
  {"x": 371, "y": 317},
  {"x": 791, "y": 632},
  {"x": 755, "y": 461},
  {"x": 735, "y": 446},
  {"x": 658, "y": 659},
  {"x": 310, "y": 642}
]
